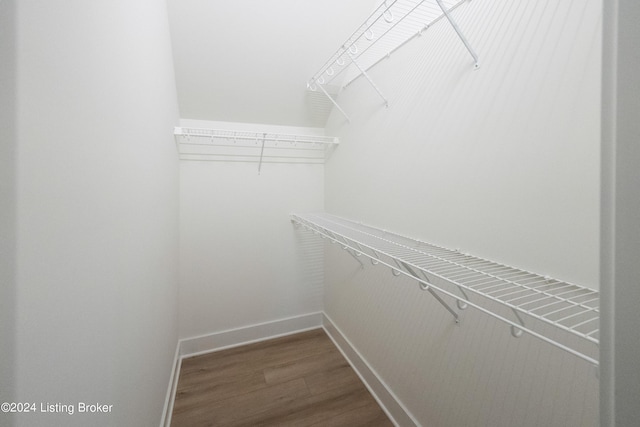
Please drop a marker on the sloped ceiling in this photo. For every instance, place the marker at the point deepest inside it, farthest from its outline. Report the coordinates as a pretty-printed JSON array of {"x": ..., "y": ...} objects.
[{"x": 249, "y": 60}]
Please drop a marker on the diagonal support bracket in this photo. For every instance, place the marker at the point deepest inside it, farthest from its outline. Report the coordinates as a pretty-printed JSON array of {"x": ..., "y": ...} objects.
[
  {"x": 264, "y": 137},
  {"x": 333, "y": 101},
  {"x": 459, "y": 32},
  {"x": 366, "y": 76},
  {"x": 412, "y": 272}
]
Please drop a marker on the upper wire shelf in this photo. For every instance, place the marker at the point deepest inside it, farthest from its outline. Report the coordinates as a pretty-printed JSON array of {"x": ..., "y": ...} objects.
[
  {"x": 249, "y": 146},
  {"x": 560, "y": 313},
  {"x": 391, "y": 25}
]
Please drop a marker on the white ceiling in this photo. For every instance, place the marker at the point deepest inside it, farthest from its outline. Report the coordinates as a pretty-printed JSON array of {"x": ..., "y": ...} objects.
[{"x": 249, "y": 60}]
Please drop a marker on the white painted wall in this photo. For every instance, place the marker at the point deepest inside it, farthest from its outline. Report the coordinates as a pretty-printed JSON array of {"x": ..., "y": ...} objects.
[
  {"x": 7, "y": 203},
  {"x": 502, "y": 163},
  {"x": 248, "y": 60},
  {"x": 241, "y": 262},
  {"x": 97, "y": 228},
  {"x": 620, "y": 384}
]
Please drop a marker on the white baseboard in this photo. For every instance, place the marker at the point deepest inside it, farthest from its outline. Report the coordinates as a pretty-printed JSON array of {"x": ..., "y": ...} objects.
[
  {"x": 394, "y": 409},
  {"x": 248, "y": 334},
  {"x": 171, "y": 390}
]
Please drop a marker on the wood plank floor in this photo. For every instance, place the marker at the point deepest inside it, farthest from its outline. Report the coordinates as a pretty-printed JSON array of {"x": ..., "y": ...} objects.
[{"x": 297, "y": 380}]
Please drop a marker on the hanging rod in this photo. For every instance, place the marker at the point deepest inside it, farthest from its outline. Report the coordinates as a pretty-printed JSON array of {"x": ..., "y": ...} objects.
[
  {"x": 249, "y": 146},
  {"x": 241, "y": 135},
  {"x": 543, "y": 307},
  {"x": 391, "y": 25}
]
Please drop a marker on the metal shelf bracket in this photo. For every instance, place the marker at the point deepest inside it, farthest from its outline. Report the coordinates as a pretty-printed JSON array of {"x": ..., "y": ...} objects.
[
  {"x": 314, "y": 84},
  {"x": 366, "y": 76},
  {"x": 459, "y": 33},
  {"x": 432, "y": 292},
  {"x": 264, "y": 136}
]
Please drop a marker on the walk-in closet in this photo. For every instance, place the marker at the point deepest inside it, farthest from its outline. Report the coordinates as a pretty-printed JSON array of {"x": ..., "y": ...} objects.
[{"x": 315, "y": 213}]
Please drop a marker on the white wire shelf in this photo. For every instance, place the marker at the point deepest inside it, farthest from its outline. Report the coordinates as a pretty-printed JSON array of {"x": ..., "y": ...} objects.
[
  {"x": 560, "y": 313},
  {"x": 246, "y": 146},
  {"x": 389, "y": 27}
]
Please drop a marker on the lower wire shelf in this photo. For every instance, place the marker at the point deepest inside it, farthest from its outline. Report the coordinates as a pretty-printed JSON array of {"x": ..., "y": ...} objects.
[{"x": 562, "y": 314}]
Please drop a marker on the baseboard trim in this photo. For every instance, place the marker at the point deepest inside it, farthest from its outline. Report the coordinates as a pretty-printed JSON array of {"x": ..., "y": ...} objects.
[
  {"x": 230, "y": 338},
  {"x": 389, "y": 402},
  {"x": 171, "y": 389}
]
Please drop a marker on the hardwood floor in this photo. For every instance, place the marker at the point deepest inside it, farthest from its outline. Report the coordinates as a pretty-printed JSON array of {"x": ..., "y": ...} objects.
[{"x": 298, "y": 380}]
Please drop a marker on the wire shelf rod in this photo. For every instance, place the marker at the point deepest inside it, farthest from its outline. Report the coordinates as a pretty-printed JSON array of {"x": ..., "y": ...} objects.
[
  {"x": 550, "y": 315},
  {"x": 498, "y": 278},
  {"x": 535, "y": 282},
  {"x": 477, "y": 280},
  {"x": 586, "y": 322},
  {"x": 256, "y": 156},
  {"x": 506, "y": 288},
  {"x": 489, "y": 285},
  {"x": 462, "y": 266},
  {"x": 518, "y": 291},
  {"x": 555, "y": 323},
  {"x": 510, "y": 275},
  {"x": 544, "y": 297},
  {"x": 392, "y": 243},
  {"x": 319, "y": 229},
  {"x": 570, "y": 291},
  {"x": 559, "y": 324},
  {"x": 462, "y": 273},
  {"x": 188, "y": 132},
  {"x": 319, "y": 150},
  {"x": 553, "y": 302},
  {"x": 232, "y": 160},
  {"x": 595, "y": 331},
  {"x": 530, "y": 288},
  {"x": 536, "y": 285},
  {"x": 497, "y": 269},
  {"x": 547, "y": 315},
  {"x": 572, "y": 315}
]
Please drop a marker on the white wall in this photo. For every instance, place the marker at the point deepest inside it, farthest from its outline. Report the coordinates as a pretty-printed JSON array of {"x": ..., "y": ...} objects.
[
  {"x": 97, "y": 229},
  {"x": 241, "y": 262},
  {"x": 502, "y": 163},
  {"x": 248, "y": 60},
  {"x": 7, "y": 202},
  {"x": 620, "y": 384}
]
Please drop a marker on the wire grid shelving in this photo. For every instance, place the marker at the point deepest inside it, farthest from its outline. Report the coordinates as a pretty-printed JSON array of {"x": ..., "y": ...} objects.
[
  {"x": 538, "y": 305},
  {"x": 390, "y": 26},
  {"x": 249, "y": 146}
]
